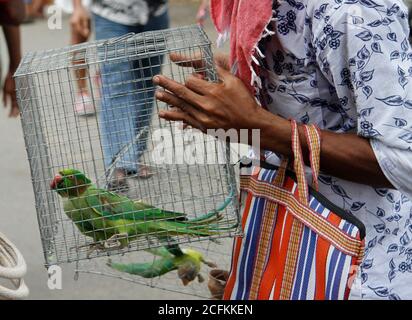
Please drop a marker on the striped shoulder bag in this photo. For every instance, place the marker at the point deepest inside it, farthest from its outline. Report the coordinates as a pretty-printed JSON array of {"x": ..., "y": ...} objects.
[{"x": 297, "y": 245}]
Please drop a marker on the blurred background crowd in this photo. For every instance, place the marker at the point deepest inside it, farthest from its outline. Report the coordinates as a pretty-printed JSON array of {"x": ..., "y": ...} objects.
[{"x": 110, "y": 18}]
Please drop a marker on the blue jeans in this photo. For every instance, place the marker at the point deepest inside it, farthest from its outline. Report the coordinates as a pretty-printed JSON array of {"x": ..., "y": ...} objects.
[{"x": 127, "y": 96}]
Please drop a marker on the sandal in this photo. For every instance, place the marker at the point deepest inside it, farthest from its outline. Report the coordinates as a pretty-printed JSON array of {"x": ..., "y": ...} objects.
[
  {"x": 144, "y": 172},
  {"x": 118, "y": 181}
]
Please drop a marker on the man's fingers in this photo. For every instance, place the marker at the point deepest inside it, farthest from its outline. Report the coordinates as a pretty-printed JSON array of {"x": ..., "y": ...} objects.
[
  {"x": 194, "y": 61},
  {"x": 178, "y": 90},
  {"x": 179, "y": 115},
  {"x": 222, "y": 60},
  {"x": 85, "y": 27},
  {"x": 222, "y": 73},
  {"x": 198, "y": 85},
  {"x": 174, "y": 101}
]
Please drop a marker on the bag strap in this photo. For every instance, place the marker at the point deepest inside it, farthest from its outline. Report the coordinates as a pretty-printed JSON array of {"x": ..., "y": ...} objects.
[
  {"x": 298, "y": 164},
  {"x": 325, "y": 228},
  {"x": 281, "y": 175},
  {"x": 313, "y": 138},
  {"x": 298, "y": 225}
]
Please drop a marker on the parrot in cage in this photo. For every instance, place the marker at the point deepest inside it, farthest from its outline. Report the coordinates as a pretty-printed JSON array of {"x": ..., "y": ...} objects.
[
  {"x": 187, "y": 262},
  {"x": 113, "y": 220}
]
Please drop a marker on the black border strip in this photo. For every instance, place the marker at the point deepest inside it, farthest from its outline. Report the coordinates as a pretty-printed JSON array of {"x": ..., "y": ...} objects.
[{"x": 320, "y": 197}]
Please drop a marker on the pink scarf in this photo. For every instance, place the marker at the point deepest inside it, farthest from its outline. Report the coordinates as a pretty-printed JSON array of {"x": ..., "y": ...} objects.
[{"x": 246, "y": 20}]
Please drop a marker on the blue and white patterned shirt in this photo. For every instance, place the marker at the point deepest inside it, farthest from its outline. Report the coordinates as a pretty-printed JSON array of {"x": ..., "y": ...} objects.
[{"x": 347, "y": 67}]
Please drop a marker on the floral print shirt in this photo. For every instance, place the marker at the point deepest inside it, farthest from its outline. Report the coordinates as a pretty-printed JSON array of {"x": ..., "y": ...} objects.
[{"x": 347, "y": 67}]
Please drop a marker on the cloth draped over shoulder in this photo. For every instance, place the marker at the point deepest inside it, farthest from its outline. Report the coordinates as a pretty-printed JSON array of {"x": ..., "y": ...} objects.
[{"x": 246, "y": 21}]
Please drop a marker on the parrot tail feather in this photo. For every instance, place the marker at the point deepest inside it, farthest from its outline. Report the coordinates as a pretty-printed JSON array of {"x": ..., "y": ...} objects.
[
  {"x": 216, "y": 214},
  {"x": 207, "y": 218}
]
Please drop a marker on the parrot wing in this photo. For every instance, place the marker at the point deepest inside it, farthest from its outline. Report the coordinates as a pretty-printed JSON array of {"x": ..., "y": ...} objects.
[
  {"x": 116, "y": 207},
  {"x": 156, "y": 213},
  {"x": 160, "y": 252},
  {"x": 175, "y": 250},
  {"x": 165, "y": 229},
  {"x": 188, "y": 266},
  {"x": 78, "y": 217}
]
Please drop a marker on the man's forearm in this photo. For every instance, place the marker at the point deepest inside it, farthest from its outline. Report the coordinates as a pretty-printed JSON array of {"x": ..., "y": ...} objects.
[
  {"x": 12, "y": 36},
  {"x": 346, "y": 156}
]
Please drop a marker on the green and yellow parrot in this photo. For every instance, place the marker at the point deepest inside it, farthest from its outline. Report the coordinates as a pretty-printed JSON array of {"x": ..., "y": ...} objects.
[
  {"x": 114, "y": 220},
  {"x": 187, "y": 262}
]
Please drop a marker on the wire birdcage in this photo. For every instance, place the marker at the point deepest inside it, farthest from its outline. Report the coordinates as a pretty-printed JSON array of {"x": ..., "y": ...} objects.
[{"x": 91, "y": 198}]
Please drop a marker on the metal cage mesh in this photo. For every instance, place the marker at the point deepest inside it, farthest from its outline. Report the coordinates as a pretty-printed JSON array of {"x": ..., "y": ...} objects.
[
  {"x": 217, "y": 253},
  {"x": 125, "y": 127}
]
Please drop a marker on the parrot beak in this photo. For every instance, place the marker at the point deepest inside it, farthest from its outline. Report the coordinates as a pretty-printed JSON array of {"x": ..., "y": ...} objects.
[{"x": 56, "y": 181}]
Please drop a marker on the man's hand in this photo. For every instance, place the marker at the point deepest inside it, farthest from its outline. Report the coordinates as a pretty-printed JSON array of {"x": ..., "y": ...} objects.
[
  {"x": 206, "y": 105},
  {"x": 9, "y": 96},
  {"x": 80, "y": 21},
  {"x": 222, "y": 60},
  {"x": 196, "y": 61}
]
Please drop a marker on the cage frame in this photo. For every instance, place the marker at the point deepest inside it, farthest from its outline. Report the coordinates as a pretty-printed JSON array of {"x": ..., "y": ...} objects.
[{"x": 30, "y": 68}]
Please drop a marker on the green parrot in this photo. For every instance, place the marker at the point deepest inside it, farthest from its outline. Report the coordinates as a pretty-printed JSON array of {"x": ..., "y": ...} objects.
[
  {"x": 187, "y": 262},
  {"x": 113, "y": 220}
]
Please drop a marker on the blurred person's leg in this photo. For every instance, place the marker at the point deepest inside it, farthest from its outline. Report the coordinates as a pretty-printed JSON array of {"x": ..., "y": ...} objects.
[
  {"x": 145, "y": 70},
  {"x": 125, "y": 108},
  {"x": 127, "y": 98},
  {"x": 116, "y": 128},
  {"x": 83, "y": 102},
  {"x": 12, "y": 12},
  {"x": 13, "y": 41}
]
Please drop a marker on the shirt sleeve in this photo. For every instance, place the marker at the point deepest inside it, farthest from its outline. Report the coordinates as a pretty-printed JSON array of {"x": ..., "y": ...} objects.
[{"x": 364, "y": 52}]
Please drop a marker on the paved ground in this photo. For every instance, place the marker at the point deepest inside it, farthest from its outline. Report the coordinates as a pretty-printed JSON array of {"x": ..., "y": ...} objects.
[{"x": 17, "y": 213}]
